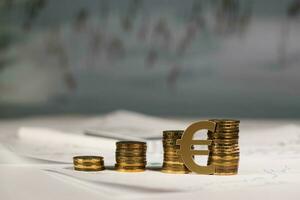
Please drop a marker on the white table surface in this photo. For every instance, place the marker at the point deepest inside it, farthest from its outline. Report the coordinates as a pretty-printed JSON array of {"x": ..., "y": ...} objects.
[{"x": 27, "y": 178}]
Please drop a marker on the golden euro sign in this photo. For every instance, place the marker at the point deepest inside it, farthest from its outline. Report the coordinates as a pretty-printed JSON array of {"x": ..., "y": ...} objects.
[{"x": 186, "y": 142}]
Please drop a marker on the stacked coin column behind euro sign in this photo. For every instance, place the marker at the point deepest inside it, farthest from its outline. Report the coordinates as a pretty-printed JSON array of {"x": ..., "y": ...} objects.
[
  {"x": 172, "y": 161},
  {"x": 131, "y": 156},
  {"x": 88, "y": 163},
  {"x": 224, "y": 151}
]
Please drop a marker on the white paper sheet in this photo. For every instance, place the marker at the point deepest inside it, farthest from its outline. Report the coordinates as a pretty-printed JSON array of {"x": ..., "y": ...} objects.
[{"x": 269, "y": 163}]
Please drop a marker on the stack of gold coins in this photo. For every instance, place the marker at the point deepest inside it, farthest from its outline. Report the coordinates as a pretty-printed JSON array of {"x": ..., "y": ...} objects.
[
  {"x": 172, "y": 161},
  {"x": 131, "y": 156},
  {"x": 88, "y": 163},
  {"x": 224, "y": 150}
]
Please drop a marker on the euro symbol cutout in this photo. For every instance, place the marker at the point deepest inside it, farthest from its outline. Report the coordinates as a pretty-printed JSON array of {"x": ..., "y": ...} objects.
[{"x": 186, "y": 142}]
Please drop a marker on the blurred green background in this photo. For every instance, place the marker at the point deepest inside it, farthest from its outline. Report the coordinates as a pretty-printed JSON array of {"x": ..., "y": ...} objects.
[{"x": 226, "y": 58}]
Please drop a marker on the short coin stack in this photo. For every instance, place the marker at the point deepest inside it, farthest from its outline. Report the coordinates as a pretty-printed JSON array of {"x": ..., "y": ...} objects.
[
  {"x": 172, "y": 161},
  {"x": 88, "y": 163},
  {"x": 131, "y": 156},
  {"x": 224, "y": 151}
]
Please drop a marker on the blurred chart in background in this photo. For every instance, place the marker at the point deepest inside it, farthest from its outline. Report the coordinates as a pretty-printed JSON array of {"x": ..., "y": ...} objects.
[{"x": 164, "y": 57}]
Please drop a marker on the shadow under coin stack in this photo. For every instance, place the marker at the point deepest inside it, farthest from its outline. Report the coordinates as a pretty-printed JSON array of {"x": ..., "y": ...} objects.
[
  {"x": 224, "y": 151},
  {"x": 88, "y": 163},
  {"x": 172, "y": 161},
  {"x": 131, "y": 156}
]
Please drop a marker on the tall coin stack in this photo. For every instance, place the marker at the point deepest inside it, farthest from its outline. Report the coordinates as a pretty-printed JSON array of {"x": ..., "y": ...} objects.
[
  {"x": 224, "y": 150},
  {"x": 88, "y": 163},
  {"x": 172, "y": 161},
  {"x": 131, "y": 156}
]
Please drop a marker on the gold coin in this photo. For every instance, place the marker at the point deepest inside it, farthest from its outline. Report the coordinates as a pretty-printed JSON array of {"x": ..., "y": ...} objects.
[
  {"x": 226, "y": 170},
  {"x": 135, "y": 150},
  {"x": 225, "y": 157},
  {"x": 223, "y": 146},
  {"x": 130, "y": 162},
  {"x": 89, "y": 163},
  {"x": 88, "y": 168},
  {"x": 222, "y": 161},
  {"x": 130, "y": 154},
  {"x": 221, "y": 126},
  {"x": 235, "y": 145},
  {"x": 129, "y": 168},
  {"x": 172, "y": 158},
  {"x": 174, "y": 166},
  {"x": 226, "y": 132},
  {"x": 170, "y": 139},
  {"x": 173, "y": 162},
  {"x": 210, "y": 157},
  {"x": 228, "y": 129},
  {"x": 171, "y": 150},
  {"x": 225, "y": 173},
  {"x": 131, "y": 144},
  {"x": 224, "y": 153},
  {"x": 123, "y": 164},
  {"x": 221, "y": 149},
  {"x": 170, "y": 147},
  {"x": 227, "y": 167},
  {"x": 226, "y": 124},
  {"x": 172, "y": 133},
  {"x": 226, "y": 141},
  {"x": 130, "y": 150},
  {"x": 225, "y": 127},
  {"x": 171, "y": 136},
  {"x": 227, "y": 164},
  {"x": 224, "y": 137},
  {"x": 132, "y": 158},
  {"x": 171, "y": 154},
  {"x": 83, "y": 159},
  {"x": 170, "y": 142},
  {"x": 225, "y": 121},
  {"x": 175, "y": 171},
  {"x": 224, "y": 149}
]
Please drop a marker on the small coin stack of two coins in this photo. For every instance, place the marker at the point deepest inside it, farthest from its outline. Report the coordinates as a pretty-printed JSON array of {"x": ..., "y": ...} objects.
[
  {"x": 131, "y": 156},
  {"x": 88, "y": 163},
  {"x": 172, "y": 161},
  {"x": 224, "y": 151}
]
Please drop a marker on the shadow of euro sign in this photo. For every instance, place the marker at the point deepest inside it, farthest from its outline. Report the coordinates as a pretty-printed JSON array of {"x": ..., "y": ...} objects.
[{"x": 186, "y": 142}]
